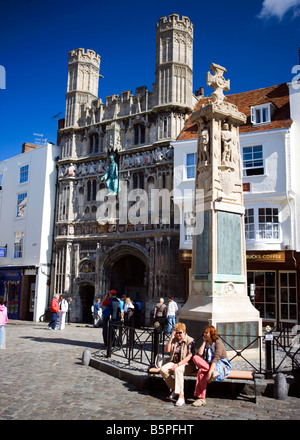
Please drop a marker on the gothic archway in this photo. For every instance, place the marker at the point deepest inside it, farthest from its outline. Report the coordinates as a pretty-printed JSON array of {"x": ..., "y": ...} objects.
[{"x": 125, "y": 268}]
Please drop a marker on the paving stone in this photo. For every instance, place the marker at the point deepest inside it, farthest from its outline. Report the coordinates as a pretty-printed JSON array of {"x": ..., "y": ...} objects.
[{"x": 43, "y": 379}]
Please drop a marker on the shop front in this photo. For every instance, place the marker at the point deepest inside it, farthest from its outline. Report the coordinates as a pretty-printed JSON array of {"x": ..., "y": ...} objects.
[
  {"x": 272, "y": 282},
  {"x": 10, "y": 289}
]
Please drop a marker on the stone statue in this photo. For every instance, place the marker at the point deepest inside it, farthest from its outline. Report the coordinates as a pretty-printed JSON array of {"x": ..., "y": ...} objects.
[
  {"x": 226, "y": 137},
  {"x": 111, "y": 176},
  {"x": 204, "y": 145}
]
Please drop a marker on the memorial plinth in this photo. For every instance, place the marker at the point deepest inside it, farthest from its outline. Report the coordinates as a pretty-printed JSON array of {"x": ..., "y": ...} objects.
[{"x": 219, "y": 283}]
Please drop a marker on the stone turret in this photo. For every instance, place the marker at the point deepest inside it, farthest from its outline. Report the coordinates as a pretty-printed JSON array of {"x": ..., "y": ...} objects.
[
  {"x": 83, "y": 79},
  {"x": 174, "y": 61}
]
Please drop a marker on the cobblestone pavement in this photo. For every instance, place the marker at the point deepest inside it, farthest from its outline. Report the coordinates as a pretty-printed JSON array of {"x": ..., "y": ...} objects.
[{"x": 42, "y": 378}]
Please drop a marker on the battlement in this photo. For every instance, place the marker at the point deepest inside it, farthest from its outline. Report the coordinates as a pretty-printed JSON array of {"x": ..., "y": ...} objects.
[
  {"x": 89, "y": 56},
  {"x": 175, "y": 22}
]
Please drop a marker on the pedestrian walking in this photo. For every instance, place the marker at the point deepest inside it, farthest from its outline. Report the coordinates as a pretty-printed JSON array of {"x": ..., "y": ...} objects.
[
  {"x": 171, "y": 315},
  {"x": 3, "y": 321},
  {"x": 54, "y": 312}
]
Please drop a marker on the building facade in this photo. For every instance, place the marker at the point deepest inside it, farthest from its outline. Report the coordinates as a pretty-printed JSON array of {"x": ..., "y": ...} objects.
[
  {"x": 27, "y": 204},
  {"x": 136, "y": 255},
  {"x": 270, "y": 157}
]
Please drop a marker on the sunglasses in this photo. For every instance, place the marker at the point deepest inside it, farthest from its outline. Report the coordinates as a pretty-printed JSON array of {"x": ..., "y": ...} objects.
[{"x": 179, "y": 333}]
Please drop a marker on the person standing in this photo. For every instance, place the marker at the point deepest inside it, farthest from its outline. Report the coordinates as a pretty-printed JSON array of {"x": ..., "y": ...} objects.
[
  {"x": 128, "y": 313},
  {"x": 97, "y": 313},
  {"x": 69, "y": 310},
  {"x": 3, "y": 321},
  {"x": 171, "y": 315},
  {"x": 160, "y": 313},
  {"x": 63, "y": 308},
  {"x": 54, "y": 312}
]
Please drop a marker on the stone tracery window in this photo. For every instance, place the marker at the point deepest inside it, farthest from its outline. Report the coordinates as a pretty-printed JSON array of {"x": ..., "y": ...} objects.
[{"x": 139, "y": 134}]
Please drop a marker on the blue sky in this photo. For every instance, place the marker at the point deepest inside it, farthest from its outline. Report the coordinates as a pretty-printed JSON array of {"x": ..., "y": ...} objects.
[{"x": 256, "y": 40}]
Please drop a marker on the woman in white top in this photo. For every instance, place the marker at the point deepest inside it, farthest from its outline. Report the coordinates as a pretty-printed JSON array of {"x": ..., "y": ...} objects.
[{"x": 63, "y": 308}]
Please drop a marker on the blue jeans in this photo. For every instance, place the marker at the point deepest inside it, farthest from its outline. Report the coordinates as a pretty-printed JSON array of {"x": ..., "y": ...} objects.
[
  {"x": 2, "y": 331},
  {"x": 171, "y": 323},
  {"x": 53, "y": 321}
]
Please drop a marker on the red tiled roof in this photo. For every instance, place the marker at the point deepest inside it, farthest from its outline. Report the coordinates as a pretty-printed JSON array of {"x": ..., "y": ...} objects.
[{"x": 278, "y": 95}]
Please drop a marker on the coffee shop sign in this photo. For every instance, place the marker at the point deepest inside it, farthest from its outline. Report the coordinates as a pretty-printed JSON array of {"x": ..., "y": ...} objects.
[{"x": 270, "y": 257}]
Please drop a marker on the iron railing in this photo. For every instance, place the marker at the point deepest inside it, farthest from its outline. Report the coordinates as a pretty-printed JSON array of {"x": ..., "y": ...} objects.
[{"x": 142, "y": 346}]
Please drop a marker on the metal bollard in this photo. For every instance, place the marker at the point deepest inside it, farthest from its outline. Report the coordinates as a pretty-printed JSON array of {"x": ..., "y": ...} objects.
[{"x": 269, "y": 341}]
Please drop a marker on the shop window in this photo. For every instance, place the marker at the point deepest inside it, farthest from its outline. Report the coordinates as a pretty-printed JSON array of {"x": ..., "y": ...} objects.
[
  {"x": 11, "y": 298},
  {"x": 264, "y": 293},
  {"x": 288, "y": 296}
]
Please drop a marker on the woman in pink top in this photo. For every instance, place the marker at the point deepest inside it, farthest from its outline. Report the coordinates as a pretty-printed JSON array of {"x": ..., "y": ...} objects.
[{"x": 3, "y": 321}]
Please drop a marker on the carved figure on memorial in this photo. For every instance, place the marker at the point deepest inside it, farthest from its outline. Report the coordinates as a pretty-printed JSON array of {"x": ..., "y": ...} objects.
[
  {"x": 218, "y": 82},
  {"x": 203, "y": 145},
  {"x": 111, "y": 176},
  {"x": 227, "y": 144}
]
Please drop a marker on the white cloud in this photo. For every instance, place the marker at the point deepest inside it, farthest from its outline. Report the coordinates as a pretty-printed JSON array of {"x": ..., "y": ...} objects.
[{"x": 278, "y": 8}]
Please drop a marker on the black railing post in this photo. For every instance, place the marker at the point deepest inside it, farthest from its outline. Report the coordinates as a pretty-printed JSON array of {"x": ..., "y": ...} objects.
[
  {"x": 155, "y": 343},
  {"x": 109, "y": 338},
  {"x": 268, "y": 345},
  {"x": 131, "y": 343}
]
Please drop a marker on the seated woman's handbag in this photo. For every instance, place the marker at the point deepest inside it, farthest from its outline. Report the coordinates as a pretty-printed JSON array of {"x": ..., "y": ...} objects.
[{"x": 223, "y": 367}]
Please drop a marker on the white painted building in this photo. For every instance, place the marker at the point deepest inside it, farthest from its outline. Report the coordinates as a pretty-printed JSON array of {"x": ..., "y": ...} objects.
[
  {"x": 27, "y": 206},
  {"x": 269, "y": 145}
]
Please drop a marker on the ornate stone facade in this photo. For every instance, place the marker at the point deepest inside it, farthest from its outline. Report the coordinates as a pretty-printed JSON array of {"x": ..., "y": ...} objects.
[{"x": 139, "y": 259}]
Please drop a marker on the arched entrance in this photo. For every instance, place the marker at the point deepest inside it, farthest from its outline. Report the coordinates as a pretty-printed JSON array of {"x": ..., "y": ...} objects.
[
  {"x": 128, "y": 277},
  {"x": 125, "y": 268},
  {"x": 86, "y": 294}
]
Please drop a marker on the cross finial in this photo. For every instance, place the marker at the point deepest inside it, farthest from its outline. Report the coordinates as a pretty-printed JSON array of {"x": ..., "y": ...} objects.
[{"x": 218, "y": 82}]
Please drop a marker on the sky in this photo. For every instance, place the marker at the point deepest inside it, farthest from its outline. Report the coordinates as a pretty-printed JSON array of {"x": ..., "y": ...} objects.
[{"x": 257, "y": 41}]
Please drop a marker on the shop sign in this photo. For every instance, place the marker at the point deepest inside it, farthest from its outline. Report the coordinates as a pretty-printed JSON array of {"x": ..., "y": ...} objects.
[
  {"x": 269, "y": 257},
  {"x": 2, "y": 252}
]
